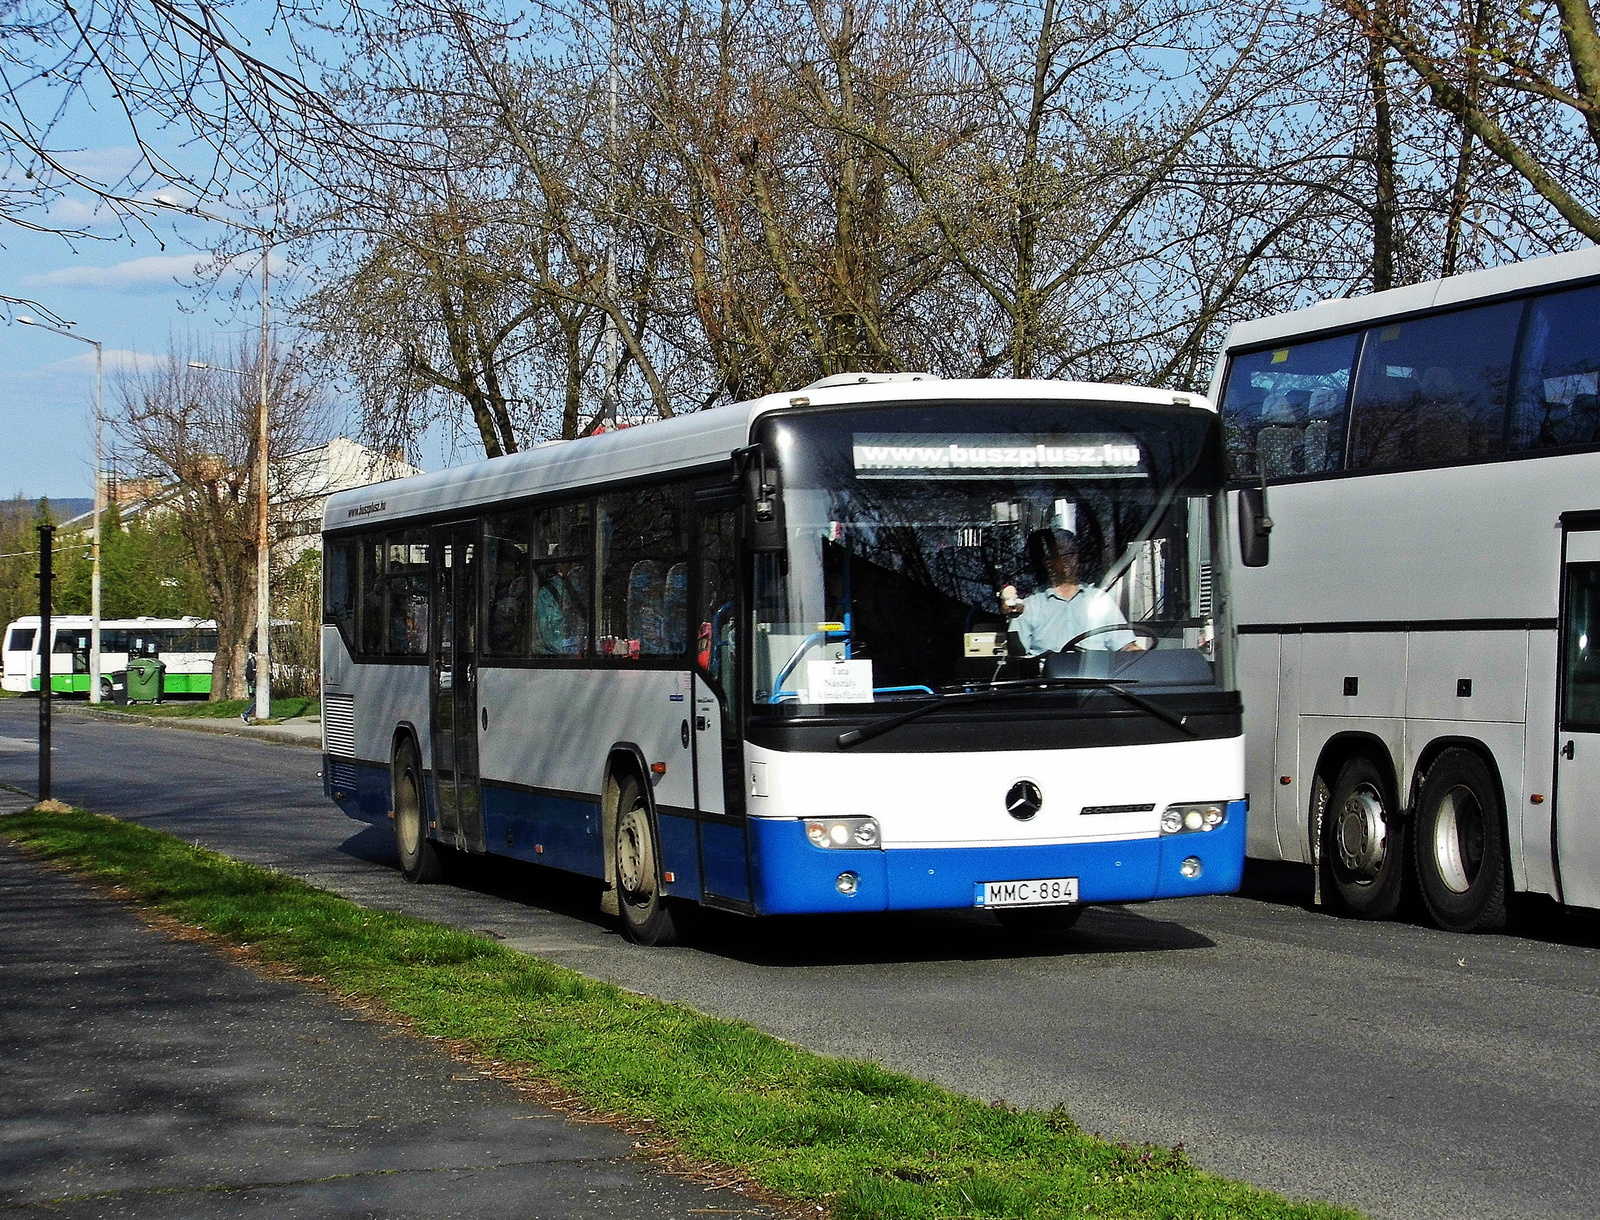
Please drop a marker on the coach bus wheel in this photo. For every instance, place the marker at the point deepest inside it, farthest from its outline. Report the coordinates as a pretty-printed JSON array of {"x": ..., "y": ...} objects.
[
  {"x": 419, "y": 856},
  {"x": 647, "y": 918},
  {"x": 1030, "y": 920},
  {"x": 1461, "y": 845},
  {"x": 1363, "y": 852}
]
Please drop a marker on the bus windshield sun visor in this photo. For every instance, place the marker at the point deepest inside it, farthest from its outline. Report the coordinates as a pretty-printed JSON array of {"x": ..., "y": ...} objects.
[{"x": 1008, "y": 690}]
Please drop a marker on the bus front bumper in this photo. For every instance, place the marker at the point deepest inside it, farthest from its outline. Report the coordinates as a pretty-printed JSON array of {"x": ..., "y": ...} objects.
[{"x": 794, "y": 877}]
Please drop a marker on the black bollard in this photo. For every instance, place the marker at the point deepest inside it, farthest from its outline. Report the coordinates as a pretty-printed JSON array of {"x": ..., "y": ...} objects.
[{"x": 47, "y": 535}]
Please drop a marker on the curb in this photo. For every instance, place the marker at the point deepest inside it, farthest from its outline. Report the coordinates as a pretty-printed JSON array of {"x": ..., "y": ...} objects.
[{"x": 220, "y": 727}]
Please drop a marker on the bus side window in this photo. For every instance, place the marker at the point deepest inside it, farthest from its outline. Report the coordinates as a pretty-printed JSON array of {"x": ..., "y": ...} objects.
[
  {"x": 371, "y": 576},
  {"x": 1289, "y": 405},
  {"x": 1433, "y": 389},
  {"x": 642, "y": 540},
  {"x": 507, "y": 597},
  {"x": 338, "y": 590},
  {"x": 563, "y": 538},
  {"x": 406, "y": 579},
  {"x": 1557, "y": 401}
]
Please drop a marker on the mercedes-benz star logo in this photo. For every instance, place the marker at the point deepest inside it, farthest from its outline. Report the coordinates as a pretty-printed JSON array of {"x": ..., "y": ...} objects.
[{"x": 1024, "y": 799}]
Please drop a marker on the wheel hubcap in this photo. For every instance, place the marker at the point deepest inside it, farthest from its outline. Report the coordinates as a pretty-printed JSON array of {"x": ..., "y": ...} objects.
[
  {"x": 1458, "y": 839},
  {"x": 1361, "y": 834},
  {"x": 635, "y": 870}
]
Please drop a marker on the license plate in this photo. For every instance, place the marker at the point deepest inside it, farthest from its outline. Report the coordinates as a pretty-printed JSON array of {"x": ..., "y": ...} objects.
[{"x": 1052, "y": 891}]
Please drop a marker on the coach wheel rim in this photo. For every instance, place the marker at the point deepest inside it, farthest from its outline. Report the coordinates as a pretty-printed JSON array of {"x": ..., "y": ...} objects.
[
  {"x": 1458, "y": 839},
  {"x": 1361, "y": 834}
]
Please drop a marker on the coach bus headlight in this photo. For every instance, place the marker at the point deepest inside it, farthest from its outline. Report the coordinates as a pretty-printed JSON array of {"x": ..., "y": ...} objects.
[
  {"x": 843, "y": 832},
  {"x": 1185, "y": 819}
]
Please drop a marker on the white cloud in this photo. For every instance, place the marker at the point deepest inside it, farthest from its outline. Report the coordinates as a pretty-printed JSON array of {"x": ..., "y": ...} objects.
[
  {"x": 134, "y": 275},
  {"x": 118, "y": 360}
]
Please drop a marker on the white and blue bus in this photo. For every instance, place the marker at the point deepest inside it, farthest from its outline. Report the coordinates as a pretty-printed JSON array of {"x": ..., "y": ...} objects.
[{"x": 886, "y": 642}]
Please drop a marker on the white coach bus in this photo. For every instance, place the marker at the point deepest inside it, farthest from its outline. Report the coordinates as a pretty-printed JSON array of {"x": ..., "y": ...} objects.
[
  {"x": 777, "y": 657},
  {"x": 1420, "y": 662}
]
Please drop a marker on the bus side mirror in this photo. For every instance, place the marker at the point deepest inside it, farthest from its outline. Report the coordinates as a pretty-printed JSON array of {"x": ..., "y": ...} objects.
[
  {"x": 1255, "y": 527},
  {"x": 764, "y": 530}
]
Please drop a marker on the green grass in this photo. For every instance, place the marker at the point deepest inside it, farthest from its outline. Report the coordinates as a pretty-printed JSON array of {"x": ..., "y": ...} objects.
[
  {"x": 862, "y": 1141},
  {"x": 222, "y": 709}
]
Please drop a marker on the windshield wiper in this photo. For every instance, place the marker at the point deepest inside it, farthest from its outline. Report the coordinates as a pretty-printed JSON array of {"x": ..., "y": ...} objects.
[{"x": 1011, "y": 689}]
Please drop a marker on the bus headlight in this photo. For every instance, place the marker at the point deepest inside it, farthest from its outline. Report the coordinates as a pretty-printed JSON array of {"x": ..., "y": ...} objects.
[
  {"x": 1185, "y": 819},
  {"x": 843, "y": 832}
]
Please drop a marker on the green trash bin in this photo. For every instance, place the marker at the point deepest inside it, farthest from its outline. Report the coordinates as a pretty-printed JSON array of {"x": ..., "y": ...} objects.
[{"x": 144, "y": 680}]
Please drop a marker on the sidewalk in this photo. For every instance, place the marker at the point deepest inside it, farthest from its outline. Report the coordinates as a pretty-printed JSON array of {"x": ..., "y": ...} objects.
[
  {"x": 145, "y": 1076},
  {"x": 298, "y": 731}
]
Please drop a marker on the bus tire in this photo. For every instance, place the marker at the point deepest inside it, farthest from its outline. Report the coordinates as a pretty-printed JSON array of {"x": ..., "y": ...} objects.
[
  {"x": 1460, "y": 844},
  {"x": 420, "y": 861},
  {"x": 647, "y": 916},
  {"x": 1035, "y": 920},
  {"x": 1363, "y": 851}
]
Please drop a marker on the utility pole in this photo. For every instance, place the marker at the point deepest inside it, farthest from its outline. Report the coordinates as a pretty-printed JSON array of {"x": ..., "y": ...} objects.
[
  {"x": 47, "y": 542},
  {"x": 99, "y": 499}
]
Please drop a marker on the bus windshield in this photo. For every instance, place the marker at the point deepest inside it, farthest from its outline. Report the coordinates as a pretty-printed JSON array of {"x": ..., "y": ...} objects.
[{"x": 938, "y": 547}]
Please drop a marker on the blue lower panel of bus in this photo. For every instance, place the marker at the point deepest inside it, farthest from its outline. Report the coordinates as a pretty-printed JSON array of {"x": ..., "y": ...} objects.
[
  {"x": 360, "y": 789},
  {"x": 544, "y": 827},
  {"x": 793, "y": 877}
]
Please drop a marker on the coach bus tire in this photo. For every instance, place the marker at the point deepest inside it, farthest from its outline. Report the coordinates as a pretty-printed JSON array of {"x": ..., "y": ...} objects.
[
  {"x": 1460, "y": 845},
  {"x": 647, "y": 917},
  {"x": 420, "y": 861},
  {"x": 1363, "y": 851},
  {"x": 1032, "y": 921}
]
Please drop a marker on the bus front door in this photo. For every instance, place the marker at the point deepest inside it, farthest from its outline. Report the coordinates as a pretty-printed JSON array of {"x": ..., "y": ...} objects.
[
  {"x": 453, "y": 683},
  {"x": 719, "y": 753},
  {"x": 1577, "y": 794}
]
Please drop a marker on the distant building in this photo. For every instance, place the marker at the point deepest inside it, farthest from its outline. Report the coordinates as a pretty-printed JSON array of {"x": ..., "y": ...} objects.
[{"x": 301, "y": 483}]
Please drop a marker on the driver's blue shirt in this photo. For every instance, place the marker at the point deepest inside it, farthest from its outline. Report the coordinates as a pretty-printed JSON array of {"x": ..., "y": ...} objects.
[{"x": 1048, "y": 620}]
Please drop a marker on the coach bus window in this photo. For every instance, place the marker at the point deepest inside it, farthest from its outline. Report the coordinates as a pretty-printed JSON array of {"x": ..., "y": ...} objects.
[
  {"x": 563, "y": 536},
  {"x": 1558, "y": 387},
  {"x": 1434, "y": 389},
  {"x": 506, "y": 572},
  {"x": 338, "y": 586},
  {"x": 1580, "y": 695},
  {"x": 372, "y": 595},
  {"x": 1288, "y": 404},
  {"x": 642, "y": 604},
  {"x": 406, "y": 575}
]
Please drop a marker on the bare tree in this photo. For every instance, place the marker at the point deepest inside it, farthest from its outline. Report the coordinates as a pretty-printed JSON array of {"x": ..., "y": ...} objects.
[
  {"x": 1522, "y": 80},
  {"x": 193, "y": 433}
]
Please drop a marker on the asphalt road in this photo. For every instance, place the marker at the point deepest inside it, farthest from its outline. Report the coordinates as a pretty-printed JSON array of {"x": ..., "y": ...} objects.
[
  {"x": 1390, "y": 1067},
  {"x": 144, "y": 1077}
]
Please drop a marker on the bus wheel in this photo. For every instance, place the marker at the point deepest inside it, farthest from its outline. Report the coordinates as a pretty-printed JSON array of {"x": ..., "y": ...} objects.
[
  {"x": 1461, "y": 845},
  {"x": 647, "y": 919},
  {"x": 1364, "y": 843},
  {"x": 420, "y": 862},
  {"x": 1032, "y": 920}
]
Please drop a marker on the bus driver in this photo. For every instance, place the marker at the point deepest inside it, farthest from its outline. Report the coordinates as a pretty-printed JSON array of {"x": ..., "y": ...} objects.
[{"x": 1063, "y": 609}]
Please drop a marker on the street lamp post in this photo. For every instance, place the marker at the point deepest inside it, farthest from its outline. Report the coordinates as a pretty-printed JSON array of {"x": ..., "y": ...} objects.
[
  {"x": 99, "y": 502},
  {"x": 263, "y": 541}
]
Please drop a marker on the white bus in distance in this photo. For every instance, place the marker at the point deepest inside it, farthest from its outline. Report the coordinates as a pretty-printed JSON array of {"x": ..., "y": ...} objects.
[
  {"x": 761, "y": 657},
  {"x": 186, "y": 647},
  {"x": 1419, "y": 663}
]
